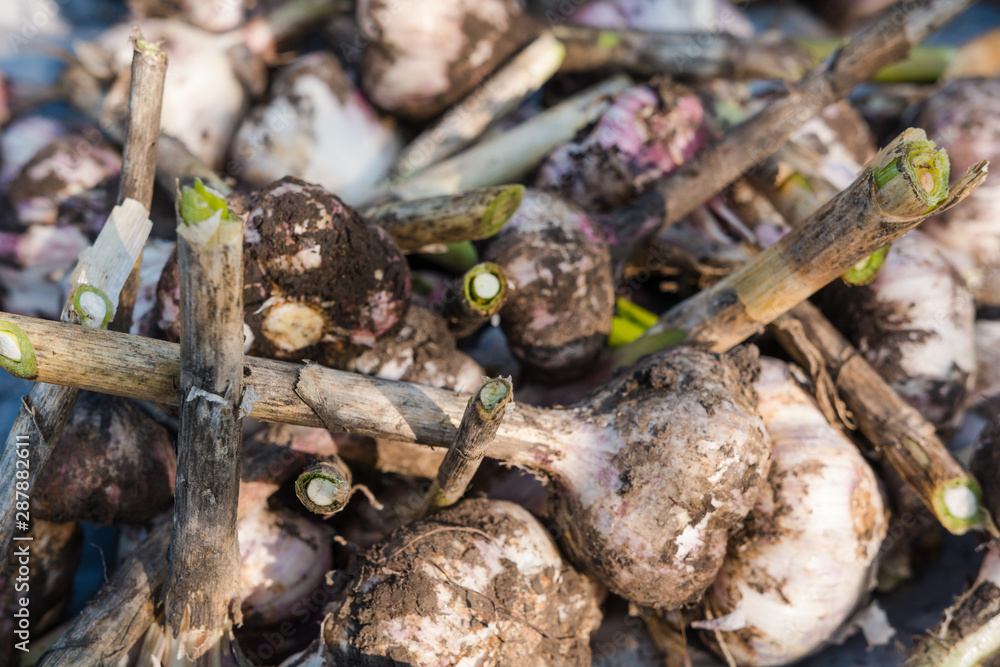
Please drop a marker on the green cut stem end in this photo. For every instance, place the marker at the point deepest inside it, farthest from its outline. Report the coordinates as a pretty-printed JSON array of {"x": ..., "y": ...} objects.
[
  {"x": 199, "y": 203},
  {"x": 501, "y": 210},
  {"x": 494, "y": 393},
  {"x": 958, "y": 504},
  {"x": 919, "y": 167},
  {"x": 322, "y": 494},
  {"x": 484, "y": 287},
  {"x": 17, "y": 354},
  {"x": 867, "y": 269},
  {"x": 91, "y": 307}
]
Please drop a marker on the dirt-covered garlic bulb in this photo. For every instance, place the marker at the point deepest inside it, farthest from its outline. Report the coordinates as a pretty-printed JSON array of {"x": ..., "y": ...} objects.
[
  {"x": 421, "y": 351},
  {"x": 425, "y": 55},
  {"x": 481, "y": 583},
  {"x": 316, "y": 272},
  {"x": 71, "y": 181},
  {"x": 961, "y": 118},
  {"x": 204, "y": 98},
  {"x": 284, "y": 559},
  {"x": 915, "y": 323},
  {"x": 112, "y": 464},
  {"x": 316, "y": 126},
  {"x": 55, "y": 204},
  {"x": 647, "y": 133},
  {"x": 211, "y": 15},
  {"x": 561, "y": 293},
  {"x": 674, "y": 457},
  {"x": 804, "y": 562},
  {"x": 662, "y": 16},
  {"x": 22, "y": 139}
]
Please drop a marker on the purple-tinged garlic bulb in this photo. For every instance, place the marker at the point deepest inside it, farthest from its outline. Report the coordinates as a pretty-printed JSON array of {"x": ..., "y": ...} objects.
[
  {"x": 285, "y": 558},
  {"x": 48, "y": 248},
  {"x": 155, "y": 257},
  {"x": 316, "y": 272},
  {"x": 664, "y": 16},
  {"x": 804, "y": 562},
  {"x": 22, "y": 139},
  {"x": 425, "y": 55},
  {"x": 71, "y": 181},
  {"x": 647, "y": 133},
  {"x": 211, "y": 15},
  {"x": 4, "y": 101},
  {"x": 166, "y": 316},
  {"x": 57, "y": 202},
  {"x": 915, "y": 324},
  {"x": 557, "y": 316},
  {"x": 479, "y": 583},
  {"x": 319, "y": 127},
  {"x": 421, "y": 351},
  {"x": 44, "y": 578},
  {"x": 961, "y": 118},
  {"x": 671, "y": 458},
  {"x": 112, "y": 464},
  {"x": 204, "y": 98}
]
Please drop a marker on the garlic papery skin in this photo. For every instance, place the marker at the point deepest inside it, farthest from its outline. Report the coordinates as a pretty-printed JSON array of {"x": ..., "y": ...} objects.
[
  {"x": 285, "y": 558},
  {"x": 319, "y": 127},
  {"x": 915, "y": 324},
  {"x": 805, "y": 560}
]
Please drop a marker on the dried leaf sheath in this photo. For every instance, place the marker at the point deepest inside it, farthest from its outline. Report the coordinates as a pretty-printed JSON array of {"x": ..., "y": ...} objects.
[{"x": 202, "y": 587}]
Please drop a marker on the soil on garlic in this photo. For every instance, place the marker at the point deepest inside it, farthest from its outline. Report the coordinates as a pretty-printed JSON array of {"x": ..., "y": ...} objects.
[
  {"x": 112, "y": 464},
  {"x": 305, "y": 247},
  {"x": 422, "y": 350},
  {"x": 557, "y": 316},
  {"x": 481, "y": 581},
  {"x": 673, "y": 458}
]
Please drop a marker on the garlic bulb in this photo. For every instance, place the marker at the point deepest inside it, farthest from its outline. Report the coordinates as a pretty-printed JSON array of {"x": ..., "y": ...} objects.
[
  {"x": 424, "y": 55},
  {"x": 805, "y": 561},
  {"x": 284, "y": 558},
  {"x": 665, "y": 16},
  {"x": 915, "y": 324},
  {"x": 647, "y": 133},
  {"x": 481, "y": 583},
  {"x": 558, "y": 313},
  {"x": 961, "y": 118},
  {"x": 319, "y": 127},
  {"x": 203, "y": 97}
]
